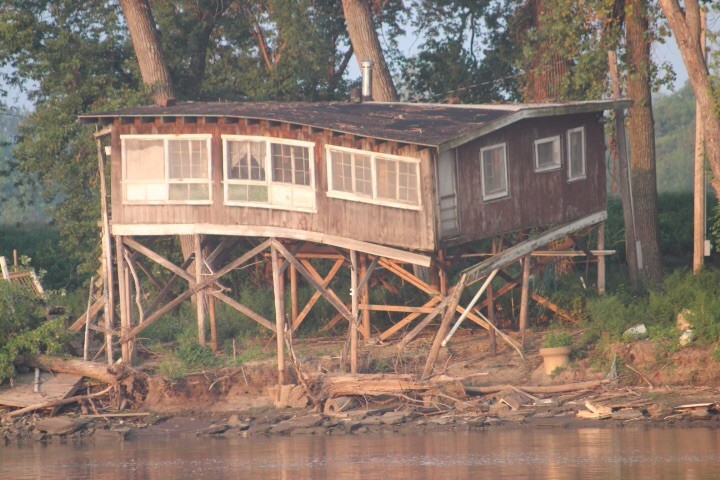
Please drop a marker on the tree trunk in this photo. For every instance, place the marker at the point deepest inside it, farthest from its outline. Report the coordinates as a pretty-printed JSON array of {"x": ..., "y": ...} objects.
[
  {"x": 366, "y": 46},
  {"x": 75, "y": 366},
  {"x": 146, "y": 42},
  {"x": 641, "y": 134},
  {"x": 683, "y": 26}
]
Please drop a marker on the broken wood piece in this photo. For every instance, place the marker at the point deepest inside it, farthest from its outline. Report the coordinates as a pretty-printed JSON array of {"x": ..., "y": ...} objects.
[
  {"x": 568, "y": 387},
  {"x": 336, "y": 405},
  {"x": 75, "y": 366},
  {"x": 58, "y": 403},
  {"x": 514, "y": 399},
  {"x": 600, "y": 411}
]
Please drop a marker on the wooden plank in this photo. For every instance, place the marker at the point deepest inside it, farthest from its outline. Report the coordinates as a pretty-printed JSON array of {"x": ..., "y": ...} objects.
[
  {"x": 391, "y": 331},
  {"x": 52, "y": 387},
  {"x": 408, "y": 277},
  {"x": 107, "y": 260},
  {"x": 518, "y": 251},
  {"x": 423, "y": 323},
  {"x": 279, "y": 315},
  {"x": 272, "y": 232},
  {"x": 4, "y": 269},
  {"x": 200, "y": 294},
  {"x": 397, "y": 308},
  {"x": 355, "y": 294},
  {"x": 564, "y": 314},
  {"x": 159, "y": 259},
  {"x": 524, "y": 297},
  {"x": 243, "y": 309},
  {"x": 94, "y": 310},
  {"x": 316, "y": 294}
]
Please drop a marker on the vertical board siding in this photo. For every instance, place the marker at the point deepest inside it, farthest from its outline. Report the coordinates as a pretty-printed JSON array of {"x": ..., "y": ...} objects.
[
  {"x": 536, "y": 199},
  {"x": 384, "y": 225}
]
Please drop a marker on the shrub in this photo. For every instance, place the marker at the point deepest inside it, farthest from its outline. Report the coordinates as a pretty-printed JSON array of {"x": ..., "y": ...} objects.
[{"x": 556, "y": 339}]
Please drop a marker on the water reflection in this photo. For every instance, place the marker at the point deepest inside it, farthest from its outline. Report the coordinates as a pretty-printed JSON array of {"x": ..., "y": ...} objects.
[{"x": 598, "y": 453}]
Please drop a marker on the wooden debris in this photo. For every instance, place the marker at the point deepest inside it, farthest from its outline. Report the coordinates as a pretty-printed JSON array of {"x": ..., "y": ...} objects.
[
  {"x": 336, "y": 405},
  {"x": 378, "y": 384},
  {"x": 595, "y": 411},
  {"x": 568, "y": 387},
  {"x": 75, "y": 366},
  {"x": 60, "y": 402},
  {"x": 514, "y": 399},
  {"x": 60, "y": 425}
]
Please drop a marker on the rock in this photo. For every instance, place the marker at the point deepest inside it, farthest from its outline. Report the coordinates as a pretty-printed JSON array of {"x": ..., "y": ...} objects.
[
  {"x": 627, "y": 414},
  {"x": 308, "y": 431},
  {"x": 393, "y": 418},
  {"x": 443, "y": 420},
  {"x": 59, "y": 425},
  {"x": 687, "y": 337},
  {"x": 213, "y": 430},
  {"x": 498, "y": 408},
  {"x": 659, "y": 410},
  {"x": 635, "y": 333},
  {"x": 286, "y": 426}
]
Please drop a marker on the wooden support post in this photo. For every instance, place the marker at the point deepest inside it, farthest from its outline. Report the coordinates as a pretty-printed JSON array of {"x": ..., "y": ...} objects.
[
  {"x": 4, "y": 269},
  {"x": 279, "y": 315},
  {"x": 524, "y": 298},
  {"x": 490, "y": 293},
  {"x": 86, "y": 344},
  {"x": 601, "y": 259},
  {"x": 107, "y": 270},
  {"x": 444, "y": 326},
  {"x": 124, "y": 304},
  {"x": 442, "y": 274},
  {"x": 699, "y": 196},
  {"x": 354, "y": 311},
  {"x": 200, "y": 295},
  {"x": 365, "y": 299},
  {"x": 213, "y": 323},
  {"x": 293, "y": 295}
]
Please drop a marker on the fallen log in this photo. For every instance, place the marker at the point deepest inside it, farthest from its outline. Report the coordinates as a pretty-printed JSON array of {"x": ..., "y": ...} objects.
[
  {"x": 377, "y": 384},
  {"x": 58, "y": 403},
  {"x": 567, "y": 387},
  {"x": 97, "y": 371},
  {"x": 336, "y": 405}
]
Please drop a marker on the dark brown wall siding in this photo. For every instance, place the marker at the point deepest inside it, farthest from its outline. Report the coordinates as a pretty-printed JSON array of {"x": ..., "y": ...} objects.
[
  {"x": 539, "y": 199},
  {"x": 360, "y": 221}
]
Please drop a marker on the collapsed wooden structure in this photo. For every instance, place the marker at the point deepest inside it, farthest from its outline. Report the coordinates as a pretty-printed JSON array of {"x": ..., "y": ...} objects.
[{"x": 374, "y": 187}]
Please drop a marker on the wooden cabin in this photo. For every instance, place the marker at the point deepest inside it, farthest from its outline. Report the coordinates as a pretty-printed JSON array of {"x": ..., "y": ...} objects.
[{"x": 398, "y": 182}]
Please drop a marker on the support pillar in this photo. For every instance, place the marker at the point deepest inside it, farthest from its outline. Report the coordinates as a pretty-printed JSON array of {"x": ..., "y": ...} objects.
[
  {"x": 365, "y": 299},
  {"x": 279, "y": 314},
  {"x": 213, "y": 323},
  {"x": 200, "y": 295},
  {"x": 354, "y": 310},
  {"x": 293, "y": 295},
  {"x": 123, "y": 291},
  {"x": 601, "y": 259},
  {"x": 524, "y": 297}
]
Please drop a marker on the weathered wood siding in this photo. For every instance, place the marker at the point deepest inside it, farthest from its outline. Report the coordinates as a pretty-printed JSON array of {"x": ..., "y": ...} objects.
[
  {"x": 541, "y": 199},
  {"x": 384, "y": 225}
]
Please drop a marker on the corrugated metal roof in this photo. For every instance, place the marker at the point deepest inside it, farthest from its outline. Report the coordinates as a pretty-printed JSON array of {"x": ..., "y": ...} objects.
[{"x": 434, "y": 125}]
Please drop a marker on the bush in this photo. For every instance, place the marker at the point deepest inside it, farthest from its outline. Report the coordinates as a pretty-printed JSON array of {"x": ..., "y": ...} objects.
[
  {"x": 24, "y": 329},
  {"x": 556, "y": 339}
]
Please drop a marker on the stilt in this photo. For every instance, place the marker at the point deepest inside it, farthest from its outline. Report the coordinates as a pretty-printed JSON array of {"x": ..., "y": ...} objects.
[
  {"x": 524, "y": 297},
  {"x": 293, "y": 295},
  {"x": 279, "y": 315},
  {"x": 365, "y": 299},
  {"x": 213, "y": 323},
  {"x": 354, "y": 312},
  {"x": 108, "y": 291},
  {"x": 490, "y": 294},
  {"x": 122, "y": 293},
  {"x": 444, "y": 326},
  {"x": 601, "y": 259},
  {"x": 200, "y": 295},
  {"x": 442, "y": 274}
]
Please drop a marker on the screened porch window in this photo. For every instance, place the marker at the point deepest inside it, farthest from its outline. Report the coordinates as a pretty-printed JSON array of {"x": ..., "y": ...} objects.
[
  {"x": 264, "y": 172},
  {"x": 494, "y": 171},
  {"x": 373, "y": 178},
  {"x": 166, "y": 169},
  {"x": 576, "y": 153}
]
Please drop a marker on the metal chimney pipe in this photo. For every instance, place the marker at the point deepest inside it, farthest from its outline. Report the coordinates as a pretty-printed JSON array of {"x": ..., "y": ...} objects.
[{"x": 367, "y": 67}]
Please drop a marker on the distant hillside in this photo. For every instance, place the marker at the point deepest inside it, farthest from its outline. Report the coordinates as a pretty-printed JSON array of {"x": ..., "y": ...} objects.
[{"x": 675, "y": 139}]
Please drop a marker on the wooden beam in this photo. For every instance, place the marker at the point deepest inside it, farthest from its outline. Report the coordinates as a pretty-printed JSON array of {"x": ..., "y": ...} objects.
[
  {"x": 332, "y": 298},
  {"x": 122, "y": 293},
  {"x": 316, "y": 294},
  {"x": 269, "y": 231},
  {"x": 524, "y": 298},
  {"x": 399, "y": 325},
  {"x": 423, "y": 323},
  {"x": 601, "y": 259},
  {"x": 364, "y": 292},
  {"x": 243, "y": 309},
  {"x": 564, "y": 314},
  {"x": 408, "y": 277},
  {"x": 355, "y": 293},
  {"x": 279, "y": 315},
  {"x": 518, "y": 251},
  {"x": 157, "y": 258},
  {"x": 466, "y": 311},
  {"x": 444, "y": 326},
  {"x": 200, "y": 295},
  {"x": 107, "y": 263},
  {"x": 194, "y": 287}
]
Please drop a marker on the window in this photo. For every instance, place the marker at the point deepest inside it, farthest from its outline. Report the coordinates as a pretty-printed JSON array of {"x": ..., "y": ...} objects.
[
  {"x": 547, "y": 154},
  {"x": 576, "y": 153},
  {"x": 373, "y": 178},
  {"x": 265, "y": 172},
  {"x": 166, "y": 169},
  {"x": 494, "y": 171}
]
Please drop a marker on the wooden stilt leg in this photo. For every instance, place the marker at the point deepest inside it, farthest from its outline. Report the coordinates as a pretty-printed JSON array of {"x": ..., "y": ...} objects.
[
  {"x": 442, "y": 274},
  {"x": 279, "y": 315},
  {"x": 524, "y": 297},
  {"x": 365, "y": 299},
  {"x": 108, "y": 281},
  {"x": 122, "y": 294},
  {"x": 293, "y": 294},
  {"x": 490, "y": 294},
  {"x": 354, "y": 311},
  {"x": 601, "y": 259},
  {"x": 200, "y": 295},
  {"x": 213, "y": 323},
  {"x": 444, "y": 327}
]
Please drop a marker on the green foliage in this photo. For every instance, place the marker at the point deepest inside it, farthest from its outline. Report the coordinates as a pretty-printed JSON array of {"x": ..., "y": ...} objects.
[
  {"x": 614, "y": 314},
  {"x": 716, "y": 354},
  {"x": 23, "y": 328},
  {"x": 556, "y": 338},
  {"x": 675, "y": 140}
]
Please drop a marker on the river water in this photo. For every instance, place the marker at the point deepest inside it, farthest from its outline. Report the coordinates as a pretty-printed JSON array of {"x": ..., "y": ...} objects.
[{"x": 536, "y": 453}]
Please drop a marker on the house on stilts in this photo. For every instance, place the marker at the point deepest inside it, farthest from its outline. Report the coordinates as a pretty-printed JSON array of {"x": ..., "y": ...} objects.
[{"x": 371, "y": 186}]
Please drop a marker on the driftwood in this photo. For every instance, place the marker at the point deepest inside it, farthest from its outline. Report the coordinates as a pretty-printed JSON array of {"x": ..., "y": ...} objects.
[
  {"x": 567, "y": 387},
  {"x": 96, "y": 371},
  {"x": 377, "y": 384},
  {"x": 58, "y": 403}
]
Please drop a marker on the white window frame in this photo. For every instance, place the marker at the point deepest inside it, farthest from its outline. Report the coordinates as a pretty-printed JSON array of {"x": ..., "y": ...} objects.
[
  {"x": 583, "y": 175},
  {"x": 505, "y": 193},
  {"x": 167, "y": 181},
  {"x": 557, "y": 163},
  {"x": 375, "y": 200},
  {"x": 269, "y": 182}
]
